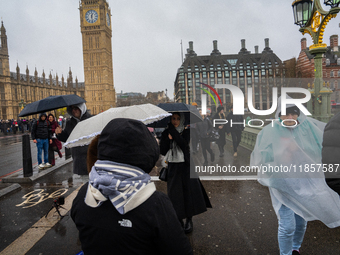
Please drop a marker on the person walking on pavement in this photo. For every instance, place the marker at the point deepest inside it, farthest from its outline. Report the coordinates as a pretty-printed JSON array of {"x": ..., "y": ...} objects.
[
  {"x": 331, "y": 152},
  {"x": 119, "y": 210},
  {"x": 235, "y": 126},
  {"x": 187, "y": 194},
  {"x": 204, "y": 129},
  {"x": 41, "y": 135},
  {"x": 221, "y": 129},
  {"x": 56, "y": 144},
  {"x": 297, "y": 196},
  {"x": 78, "y": 113}
]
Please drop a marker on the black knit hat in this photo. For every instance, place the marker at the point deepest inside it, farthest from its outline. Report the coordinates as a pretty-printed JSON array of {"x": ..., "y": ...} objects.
[
  {"x": 130, "y": 142},
  {"x": 293, "y": 110},
  {"x": 220, "y": 108}
]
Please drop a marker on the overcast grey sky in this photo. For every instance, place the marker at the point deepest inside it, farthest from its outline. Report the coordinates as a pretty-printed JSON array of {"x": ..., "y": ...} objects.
[{"x": 146, "y": 35}]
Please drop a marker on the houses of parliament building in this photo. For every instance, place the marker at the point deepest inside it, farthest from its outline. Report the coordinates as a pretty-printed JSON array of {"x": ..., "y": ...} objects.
[{"x": 19, "y": 88}]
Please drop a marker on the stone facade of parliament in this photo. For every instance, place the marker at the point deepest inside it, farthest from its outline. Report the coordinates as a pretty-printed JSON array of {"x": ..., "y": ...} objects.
[{"x": 17, "y": 87}]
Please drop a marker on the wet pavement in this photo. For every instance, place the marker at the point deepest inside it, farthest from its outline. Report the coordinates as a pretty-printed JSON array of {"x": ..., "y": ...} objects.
[{"x": 241, "y": 221}]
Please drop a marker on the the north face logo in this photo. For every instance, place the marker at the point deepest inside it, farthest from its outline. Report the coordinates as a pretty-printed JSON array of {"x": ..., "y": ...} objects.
[{"x": 125, "y": 223}]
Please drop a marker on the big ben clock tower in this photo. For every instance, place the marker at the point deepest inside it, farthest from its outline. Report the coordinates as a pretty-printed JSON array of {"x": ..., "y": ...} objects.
[{"x": 95, "y": 23}]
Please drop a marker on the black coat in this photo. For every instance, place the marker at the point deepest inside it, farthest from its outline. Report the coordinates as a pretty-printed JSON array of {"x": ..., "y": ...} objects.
[
  {"x": 187, "y": 195},
  {"x": 331, "y": 151},
  {"x": 41, "y": 130},
  {"x": 204, "y": 128},
  {"x": 154, "y": 228},
  {"x": 79, "y": 154}
]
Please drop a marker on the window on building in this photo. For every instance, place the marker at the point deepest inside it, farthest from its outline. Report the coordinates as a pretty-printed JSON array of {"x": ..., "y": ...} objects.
[
  {"x": 204, "y": 75},
  {"x": 219, "y": 74},
  {"x": 226, "y": 74},
  {"x": 328, "y": 62},
  {"x": 331, "y": 74}
]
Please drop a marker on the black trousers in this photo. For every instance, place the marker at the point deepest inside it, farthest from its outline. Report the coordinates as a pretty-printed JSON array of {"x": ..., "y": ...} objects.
[
  {"x": 236, "y": 136},
  {"x": 205, "y": 142},
  {"x": 194, "y": 139}
]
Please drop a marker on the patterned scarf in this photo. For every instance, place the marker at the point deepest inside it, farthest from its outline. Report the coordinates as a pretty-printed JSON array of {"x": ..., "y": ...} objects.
[{"x": 124, "y": 185}]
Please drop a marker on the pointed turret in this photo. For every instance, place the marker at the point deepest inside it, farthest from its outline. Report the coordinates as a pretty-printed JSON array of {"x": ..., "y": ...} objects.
[{"x": 3, "y": 37}]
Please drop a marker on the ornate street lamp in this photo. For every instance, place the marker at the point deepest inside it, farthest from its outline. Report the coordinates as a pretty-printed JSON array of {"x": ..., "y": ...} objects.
[
  {"x": 302, "y": 11},
  {"x": 22, "y": 104},
  {"x": 332, "y": 3},
  {"x": 313, "y": 19}
]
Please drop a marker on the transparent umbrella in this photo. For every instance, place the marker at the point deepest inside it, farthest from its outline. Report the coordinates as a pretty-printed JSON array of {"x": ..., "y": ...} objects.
[{"x": 86, "y": 130}]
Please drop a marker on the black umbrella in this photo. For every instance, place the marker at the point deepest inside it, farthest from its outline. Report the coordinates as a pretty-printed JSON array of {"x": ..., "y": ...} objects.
[
  {"x": 51, "y": 103},
  {"x": 191, "y": 114}
]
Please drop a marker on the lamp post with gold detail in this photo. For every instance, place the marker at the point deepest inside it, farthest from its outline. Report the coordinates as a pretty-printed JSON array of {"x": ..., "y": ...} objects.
[{"x": 313, "y": 19}]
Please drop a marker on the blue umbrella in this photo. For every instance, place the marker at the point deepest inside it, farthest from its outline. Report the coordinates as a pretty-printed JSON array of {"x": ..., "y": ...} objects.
[
  {"x": 191, "y": 114},
  {"x": 51, "y": 103}
]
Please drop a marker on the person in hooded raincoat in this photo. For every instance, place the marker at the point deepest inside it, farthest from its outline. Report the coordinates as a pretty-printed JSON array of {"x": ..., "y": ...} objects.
[
  {"x": 78, "y": 113},
  {"x": 187, "y": 195},
  {"x": 119, "y": 210},
  {"x": 285, "y": 154}
]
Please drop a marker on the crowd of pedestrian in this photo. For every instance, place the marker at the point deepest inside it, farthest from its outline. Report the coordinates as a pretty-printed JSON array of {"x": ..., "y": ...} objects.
[{"x": 13, "y": 126}]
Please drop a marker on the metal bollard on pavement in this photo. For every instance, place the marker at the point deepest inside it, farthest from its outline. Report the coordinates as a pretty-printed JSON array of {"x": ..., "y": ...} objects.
[
  {"x": 26, "y": 156},
  {"x": 67, "y": 153}
]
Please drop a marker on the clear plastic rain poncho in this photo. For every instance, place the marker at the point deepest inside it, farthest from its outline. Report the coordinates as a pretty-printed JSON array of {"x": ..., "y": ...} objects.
[{"x": 284, "y": 158}]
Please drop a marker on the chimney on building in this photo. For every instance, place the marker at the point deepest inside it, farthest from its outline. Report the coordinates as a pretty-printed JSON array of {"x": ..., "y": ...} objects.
[
  {"x": 190, "y": 50},
  {"x": 243, "y": 49},
  {"x": 215, "y": 45},
  {"x": 191, "y": 45},
  {"x": 215, "y": 49},
  {"x": 243, "y": 44},
  {"x": 256, "y": 49},
  {"x": 334, "y": 43},
  {"x": 303, "y": 44},
  {"x": 266, "y": 42}
]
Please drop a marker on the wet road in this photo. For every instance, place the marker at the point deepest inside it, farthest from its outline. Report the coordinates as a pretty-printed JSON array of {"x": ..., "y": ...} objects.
[
  {"x": 23, "y": 208},
  {"x": 11, "y": 154},
  {"x": 242, "y": 220}
]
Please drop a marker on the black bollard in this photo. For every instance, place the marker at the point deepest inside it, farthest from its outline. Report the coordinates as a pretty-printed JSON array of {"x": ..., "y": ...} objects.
[
  {"x": 26, "y": 156},
  {"x": 68, "y": 153}
]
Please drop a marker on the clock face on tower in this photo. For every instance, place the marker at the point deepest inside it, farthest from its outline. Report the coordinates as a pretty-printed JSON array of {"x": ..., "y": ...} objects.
[
  {"x": 108, "y": 19},
  {"x": 91, "y": 16}
]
